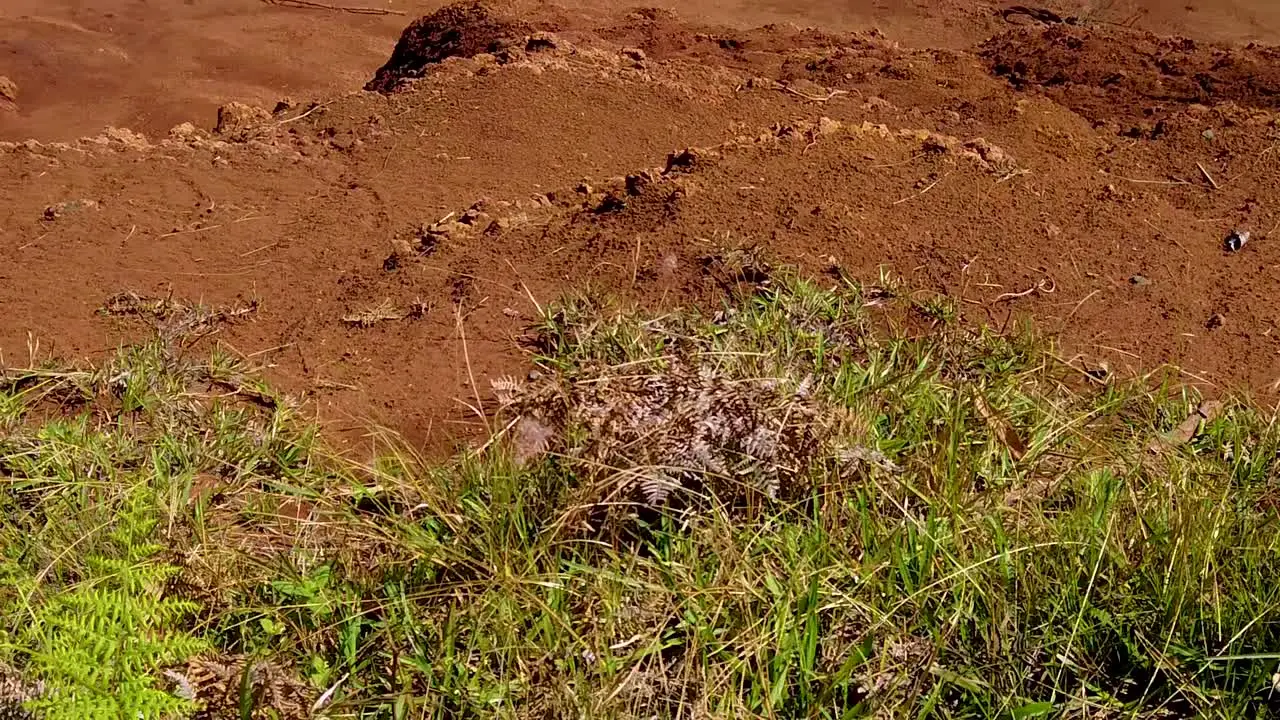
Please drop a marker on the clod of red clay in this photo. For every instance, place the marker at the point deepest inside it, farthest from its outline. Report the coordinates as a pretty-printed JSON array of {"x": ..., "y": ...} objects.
[
  {"x": 8, "y": 94},
  {"x": 464, "y": 29},
  {"x": 53, "y": 212},
  {"x": 239, "y": 122}
]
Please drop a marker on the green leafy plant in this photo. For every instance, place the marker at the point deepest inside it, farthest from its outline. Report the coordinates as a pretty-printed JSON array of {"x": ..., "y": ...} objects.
[
  {"x": 983, "y": 531},
  {"x": 100, "y": 647}
]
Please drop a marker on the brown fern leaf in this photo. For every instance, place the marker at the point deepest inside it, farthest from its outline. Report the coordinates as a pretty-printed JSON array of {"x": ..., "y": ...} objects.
[
  {"x": 686, "y": 425},
  {"x": 506, "y": 389},
  {"x": 215, "y": 684},
  {"x": 14, "y": 692}
]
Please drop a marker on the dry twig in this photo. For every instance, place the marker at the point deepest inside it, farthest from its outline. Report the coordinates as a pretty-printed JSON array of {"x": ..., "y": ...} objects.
[
  {"x": 815, "y": 98},
  {"x": 307, "y": 4},
  {"x": 1045, "y": 286},
  {"x": 931, "y": 186},
  {"x": 1208, "y": 177}
]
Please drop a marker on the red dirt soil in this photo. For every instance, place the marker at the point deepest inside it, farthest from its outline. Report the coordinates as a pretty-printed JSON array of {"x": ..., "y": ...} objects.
[{"x": 1094, "y": 164}]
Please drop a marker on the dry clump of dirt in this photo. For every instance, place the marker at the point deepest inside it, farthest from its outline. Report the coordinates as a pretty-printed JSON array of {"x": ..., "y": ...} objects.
[
  {"x": 239, "y": 122},
  {"x": 239, "y": 127},
  {"x": 464, "y": 29},
  {"x": 121, "y": 138},
  {"x": 8, "y": 94}
]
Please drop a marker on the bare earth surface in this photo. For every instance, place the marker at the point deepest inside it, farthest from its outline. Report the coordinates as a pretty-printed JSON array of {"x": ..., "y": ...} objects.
[{"x": 398, "y": 244}]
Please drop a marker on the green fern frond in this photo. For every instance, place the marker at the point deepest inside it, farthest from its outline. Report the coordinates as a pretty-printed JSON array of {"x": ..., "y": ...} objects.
[{"x": 101, "y": 645}]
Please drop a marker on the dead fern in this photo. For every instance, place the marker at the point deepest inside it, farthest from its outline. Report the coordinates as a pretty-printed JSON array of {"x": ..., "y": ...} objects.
[
  {"x": 15, "y": 692},
  {"x": 171, "y": 318},
  {"x": 379, "y": 313},
  {"x": 224, "y": 687},
  {"x": 506, "y": 389},
  {"x": 686, "y": 427}
]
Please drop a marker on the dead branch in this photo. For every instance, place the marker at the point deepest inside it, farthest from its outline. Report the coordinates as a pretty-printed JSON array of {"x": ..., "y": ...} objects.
[{"x": 339, "y": 8}]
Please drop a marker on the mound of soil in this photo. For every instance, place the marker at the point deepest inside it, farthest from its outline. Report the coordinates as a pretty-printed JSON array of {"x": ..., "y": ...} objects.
[
  {"x": 665, "y": 35},
  {"x": 463, "y": 29},
  {"x": 1107, "y": 74},
  {"x": 401, "y": 247}
]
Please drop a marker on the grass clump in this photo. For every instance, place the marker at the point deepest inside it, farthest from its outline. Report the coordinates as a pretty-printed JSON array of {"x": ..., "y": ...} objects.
[{"x": 780, "y": 510}]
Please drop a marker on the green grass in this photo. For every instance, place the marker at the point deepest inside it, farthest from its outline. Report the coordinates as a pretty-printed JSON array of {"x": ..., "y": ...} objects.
[{"x": 1000, "y": 538}]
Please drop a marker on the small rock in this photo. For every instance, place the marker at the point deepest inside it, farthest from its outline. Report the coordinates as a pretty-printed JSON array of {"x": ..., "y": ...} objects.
[
  {"x": 684, "y": 159},
  {"x": 763, "y": 83},
  {"x": 1209, "y": 135},
  {"x": 53, "y": 212},
  {"x": 635, "y": 54},
  {"x": 1215, "y": 321},
  {"x": 1100, "y": 370},
  {"x": 238, "y": 121},
  {"x": 475, "y": 218},
  {"x": 637, "y": 183},
  {"x": 402, "y": 247},
  {"x": 668, "y": 265},
  {"x": 129, "y": 139},
  {"x": 1235, "y": 241},
  {"x": 185, "y": 132},
  {"x": 540, "y": 42},
  {"x": 990, "y": 153},
  {"x": 1139, "y": 280},
  {"x": 284, "y": 105},
  {"x": 827, "y": 126},
  {"x": 877, "y": 103}
]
